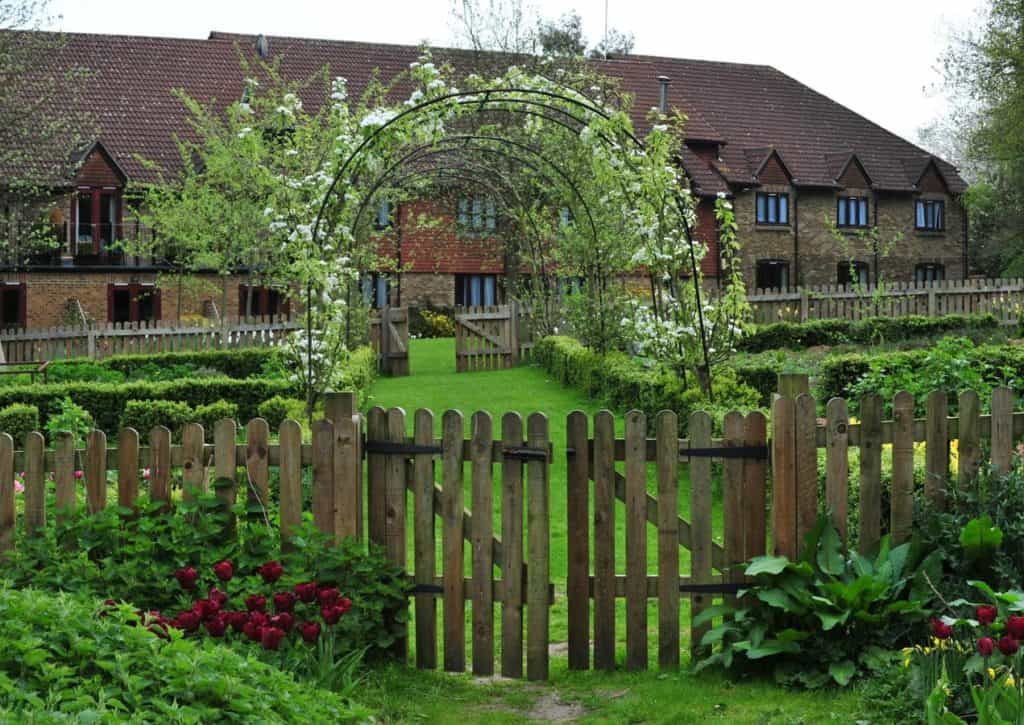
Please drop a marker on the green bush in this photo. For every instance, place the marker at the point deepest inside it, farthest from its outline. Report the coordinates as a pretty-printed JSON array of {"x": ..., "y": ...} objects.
[
  {"x": 60, "y": 661},
  {"x": 234, "y": 363},
  {"x": 429, "y": 322},
  {"x": 872, "y": 330},
  {"x": 624, "y": 383},
  {"x": 277, "y": 409},
  {"x": 145, "y": 415},
  {"x": 19, "y": 420},
  {"x": 62, "y": 371},
  {"x": 208, "y": 415},
  {"x": 69, "y": 417}
]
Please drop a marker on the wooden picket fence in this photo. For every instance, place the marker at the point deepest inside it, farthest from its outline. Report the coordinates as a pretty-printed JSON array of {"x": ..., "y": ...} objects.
[
  {"x": 389, "y": 338},
  {"x": 369, "y": 468},
  {"x": 1003, "y": 298},
  {"x": 116, "y": 338},
  {"x": 492, "y": 337}
]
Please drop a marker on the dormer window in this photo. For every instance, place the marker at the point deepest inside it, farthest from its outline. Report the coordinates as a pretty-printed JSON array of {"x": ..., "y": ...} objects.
[
  {"x": 930, "y": 215},
  {"x": 772, "y": 209},
  {"x": 383, "y": 219},
  {"x": 477, "y": 214},
  {"x": 852, "y": 211}
]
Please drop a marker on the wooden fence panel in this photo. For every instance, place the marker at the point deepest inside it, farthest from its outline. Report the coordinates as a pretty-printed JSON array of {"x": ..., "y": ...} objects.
[
  {"x": 1002, "y": 429},
  {"x": 732, "y": 502},
  {"x": 376, "y": 465},
  {"x": 578, "y": 555},
  {"x": 667, "y": 435},
  {"x": 604, "y": 540},
  {"x": 160, "y": 465},
  {"x": 193, "y": 478},
  {"x": 323, "y": 476},
  {"x": 870, "y": 473},
  {"x": 454, "y": 557},
  {"x": 902, "y": 497},
  {"x": 35, "y": 484},
  {"x": 290, "y": 477},
  {"x": 806, "y": 467},
  {"x": 395, "y": 507},
  {"x": 784, "y": 478},
  {"x": 837, "y": 463},
  {"x": 257, "y": 461},
  {"x": 128, "y": 467},
  {"x": 636, "y": 540},
  {"x": 7, "y": 504},
  {"x": 700, "y": 527},
  {"x": 539, "y": 528},
  {"x": 424, "y": 553},
  {"x": 96, "y": 471},
  {"x": 483, "y": 535},
  {"x": 66, "y": 499},
  {"x": 512, "y": 512},
  {"x": 969, "y": 449},
  {"x": 755, "y": 521},
  {"x": 936, "y": 448}
]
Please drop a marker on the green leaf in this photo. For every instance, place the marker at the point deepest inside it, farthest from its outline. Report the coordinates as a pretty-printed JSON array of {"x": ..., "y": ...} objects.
[
  {"x": 771, "y": 647},
  {"x": 980, "y": 539},
  {"x": 830, "y": 552},
  {"x": 842, "y": 672},
  {"x": 778, "y": 599},
  {"x": 829, "y": 620},
  {"x": 767, "y": 565}
]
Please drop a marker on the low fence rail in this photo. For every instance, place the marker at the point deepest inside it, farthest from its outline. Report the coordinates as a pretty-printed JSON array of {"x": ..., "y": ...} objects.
[
  {"x": 1003, "y": 298},
  {"x": 115, "y": 338}
]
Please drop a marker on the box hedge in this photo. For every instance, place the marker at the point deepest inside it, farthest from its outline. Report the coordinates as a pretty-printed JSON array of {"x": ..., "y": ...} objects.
[
  {"x": 624, "y": 383},
  {"x": 799, "y": 335},
  {"x": 18, "y": 420}
]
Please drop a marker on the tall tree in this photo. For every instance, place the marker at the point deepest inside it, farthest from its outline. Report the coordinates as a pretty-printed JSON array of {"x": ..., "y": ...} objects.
[{"x": 984, "y": 70}]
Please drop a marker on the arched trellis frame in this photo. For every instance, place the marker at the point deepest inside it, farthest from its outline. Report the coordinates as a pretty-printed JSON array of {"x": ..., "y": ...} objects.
[{"x": 528, "y": 101}]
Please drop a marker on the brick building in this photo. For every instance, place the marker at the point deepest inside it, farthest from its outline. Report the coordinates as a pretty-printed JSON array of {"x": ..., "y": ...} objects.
[{"x": 798, "y": 166}]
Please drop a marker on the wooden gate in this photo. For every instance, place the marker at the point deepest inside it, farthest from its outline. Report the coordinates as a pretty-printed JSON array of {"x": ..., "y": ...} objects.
[
  {"x": 389, "y": 336},
  {"x": 490, "y": 338},
  {"x": 743, "y": 453},
  {"x": 398, "y": 465}
]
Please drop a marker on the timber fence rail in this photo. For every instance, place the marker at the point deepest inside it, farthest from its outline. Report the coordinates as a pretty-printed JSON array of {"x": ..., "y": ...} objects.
[
  {"x": 116, "y": 338},
  {"x": 483, "y": 485},
  {"x": 1003, "y": 298}
]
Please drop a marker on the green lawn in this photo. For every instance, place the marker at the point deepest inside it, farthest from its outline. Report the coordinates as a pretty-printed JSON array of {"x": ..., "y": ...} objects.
[{"x": 653, "y": 696}]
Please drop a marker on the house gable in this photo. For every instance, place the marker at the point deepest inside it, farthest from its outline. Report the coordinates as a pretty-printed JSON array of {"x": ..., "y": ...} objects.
[
  {"x": 773, "y": 171},
  {"x": 98, "y": 168},
  {"x": 854, "y": 176},
  {"x": 932, "y": 180}
]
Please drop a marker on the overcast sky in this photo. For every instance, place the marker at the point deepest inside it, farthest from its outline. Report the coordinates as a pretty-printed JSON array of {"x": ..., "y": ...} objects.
[{"x": 879, "y": 57}]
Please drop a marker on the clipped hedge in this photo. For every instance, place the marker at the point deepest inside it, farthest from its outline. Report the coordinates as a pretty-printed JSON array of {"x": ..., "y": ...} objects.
[
  {"x": 19, "y": 420},
  {"x": 839, "y": 373},
  {"x": 624, "y": 383},
  {"x": 234, "y": 363},
  {"x": 107, "y": 401},
  {"x": 799, "y": 335}
]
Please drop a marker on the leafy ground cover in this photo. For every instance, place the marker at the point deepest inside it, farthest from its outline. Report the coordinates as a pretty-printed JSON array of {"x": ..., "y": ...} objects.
[{"x": 621, "y": 697}]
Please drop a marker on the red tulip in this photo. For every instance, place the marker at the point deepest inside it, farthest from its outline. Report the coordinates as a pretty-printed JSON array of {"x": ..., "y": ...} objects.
[
  {"x": 216, "y": 595},
  {"x": 252, "y": 630},
  {"x": 187, "y": 577},
  {"x": 1015, "y": 627},
  {"x": 271, "y": 638},
  {"x": 206, "y": 608},
  {"x": 941, "y": 630},
  {"x": 216, "y": 626},
  {"x": 237, "y": 620},
  {"x": 187, "y": 621},
  {"x": 328, "y": 596},
  {"x": 306, "y": 592},
  {"x": 260, "y": 618},
  {"x": 332, "y": 614},
  {"x": 1008, "y": 645},
  {"x": 271, "y": 571},
  {"x": 284, "y": 602},
  {"x": 284, "y": 621},
  {"x": 986, "y": 614},
  {"x": 345, "y": 604},
  {"x": 256, "y": 603},
  {"x": 310, "y": 631},
  {"x": 224, "y": 570},
  {"x": 986, "y": 646}
]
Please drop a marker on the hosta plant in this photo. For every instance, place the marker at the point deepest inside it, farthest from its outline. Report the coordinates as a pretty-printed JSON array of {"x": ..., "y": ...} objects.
[{"x": 825, "y": 618}]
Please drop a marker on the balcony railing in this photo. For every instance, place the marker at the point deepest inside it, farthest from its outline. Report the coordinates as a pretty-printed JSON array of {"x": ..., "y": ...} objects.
[{"x": 82, "y": 245}]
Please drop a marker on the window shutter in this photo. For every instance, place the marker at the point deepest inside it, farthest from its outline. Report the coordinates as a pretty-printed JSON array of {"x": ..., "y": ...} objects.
[
  {"x": 157, "y": 310},
  {"x": 110, "y": 303}
]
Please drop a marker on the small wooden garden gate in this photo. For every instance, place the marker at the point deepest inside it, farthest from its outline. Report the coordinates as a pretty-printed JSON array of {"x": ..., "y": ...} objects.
[
  {"x": 491, "y": 337},
  {"x": 389, "y": 336},
  {"x": 744, "y": 454}
]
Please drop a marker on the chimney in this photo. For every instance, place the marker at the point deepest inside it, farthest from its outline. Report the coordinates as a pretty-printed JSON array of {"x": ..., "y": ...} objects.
[
  {"x": 262, "y": 46},
  {"x": 663, "y": 98}
]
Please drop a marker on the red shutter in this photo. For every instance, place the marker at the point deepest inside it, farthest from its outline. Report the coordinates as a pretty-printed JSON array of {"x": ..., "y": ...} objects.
[
  {"x": 133, "y": 302},
  {"x": 22, "y": 305},
  {"x": 243, "y": 291},
  {"x": 264, "y": 303},
  {"x": 157, "y": 310},
  {"x": 110, "y": 303}
]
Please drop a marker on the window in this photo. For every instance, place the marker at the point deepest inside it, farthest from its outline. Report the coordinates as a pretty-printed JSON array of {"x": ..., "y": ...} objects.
[
  {"x": 12, "y": 305},
  {"x": 97, "y": 213},
  {"x": 772, "y": 208},
  {"x": 266, "y": 302},
  {"x": 376, "y": 289},
  {"x": 565, "y": 217},
  {"x": 930, "y": 215},
  {"x": 772, "y": 274},
  {"x": 849, "y": 273},
  {"x": 133, "y": 303},
  {"x": 473, "y": 290},
  {"x": 929, "y": 273},
  {"x": 852, "y": 211},
  {"x": 383, "y": 220},
  {"x": 477, "y": 214}
]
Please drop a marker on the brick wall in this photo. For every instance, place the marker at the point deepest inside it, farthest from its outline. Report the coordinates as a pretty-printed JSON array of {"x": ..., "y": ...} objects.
[
  {"x": 820, "y": 253},
  {"x": 436, "y": 289}
]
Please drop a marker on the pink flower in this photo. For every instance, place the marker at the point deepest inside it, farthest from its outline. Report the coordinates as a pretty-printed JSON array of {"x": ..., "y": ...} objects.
[
  {"x": 78, "y": 474},
  {"x": 19, "y": 487},
  {"x": 146, "y": 474}
]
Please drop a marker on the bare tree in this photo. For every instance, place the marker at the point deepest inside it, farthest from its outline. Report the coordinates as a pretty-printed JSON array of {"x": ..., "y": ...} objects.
[{"x": 508, "y": 26}]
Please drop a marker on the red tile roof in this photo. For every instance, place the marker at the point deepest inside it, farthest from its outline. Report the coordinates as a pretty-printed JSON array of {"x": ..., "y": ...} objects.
[{"x": 746, "y": 110}]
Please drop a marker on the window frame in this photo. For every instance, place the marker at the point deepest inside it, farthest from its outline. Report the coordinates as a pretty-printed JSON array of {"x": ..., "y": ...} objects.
[
  {"x": 782, "y": 264},
  {"x": 780, "y": 205},
  {"x": 135, "y": 290},
  {"x": 929, "y": 267},
  {"x": 263, "y": 298},
  {"x": 476, "y": 214},
  {"x": 390, "y": 215},
  {"x": 370, "y": 289},
  {"x": 844, "y": 204},
  {"x": 862, "y": 269},
  {"x": 938, "y": 222},
  {"x": 464, "y": 291},
  {"x": 20, "y": 289}
]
